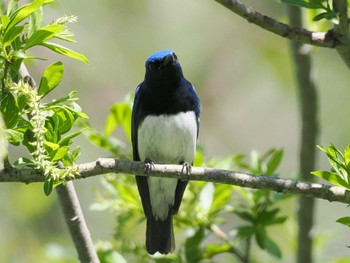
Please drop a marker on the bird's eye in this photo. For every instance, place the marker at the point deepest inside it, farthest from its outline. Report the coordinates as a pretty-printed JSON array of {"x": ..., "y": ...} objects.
[{"x": 152, "y": 66}]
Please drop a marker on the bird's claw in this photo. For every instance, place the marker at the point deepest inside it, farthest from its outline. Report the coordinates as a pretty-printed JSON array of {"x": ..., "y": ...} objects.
[
  {"x": 149, "y": 164},
  {"x": 186, "y": 170}
]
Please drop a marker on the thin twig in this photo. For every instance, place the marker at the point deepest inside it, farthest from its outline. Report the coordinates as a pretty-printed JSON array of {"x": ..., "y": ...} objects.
[{"x": 109, "y": 165}]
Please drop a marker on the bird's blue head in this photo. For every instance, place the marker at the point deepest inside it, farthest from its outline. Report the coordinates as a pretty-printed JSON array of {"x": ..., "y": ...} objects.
[
  {"x": 163, "y": 66},
  {"x": 159, "y": 55}
]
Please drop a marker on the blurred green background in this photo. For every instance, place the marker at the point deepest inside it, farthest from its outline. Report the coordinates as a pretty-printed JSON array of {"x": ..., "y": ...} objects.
[{"x": 243, "y": 76}]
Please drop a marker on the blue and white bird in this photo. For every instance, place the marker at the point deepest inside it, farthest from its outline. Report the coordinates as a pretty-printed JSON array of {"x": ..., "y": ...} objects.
[{"x": 165, "y": 125}]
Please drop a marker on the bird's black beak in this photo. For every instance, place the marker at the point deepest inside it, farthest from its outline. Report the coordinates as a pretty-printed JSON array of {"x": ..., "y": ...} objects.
[{"x": 169, "y": 59}]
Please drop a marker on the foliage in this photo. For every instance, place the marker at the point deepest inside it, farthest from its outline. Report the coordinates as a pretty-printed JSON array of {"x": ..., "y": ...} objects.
[
  {"x": 324, "y": 8},
  {"x": 39, "y": 126},
  {"x": 204, "y": 209},
  {"x": 340, "y": 171}
]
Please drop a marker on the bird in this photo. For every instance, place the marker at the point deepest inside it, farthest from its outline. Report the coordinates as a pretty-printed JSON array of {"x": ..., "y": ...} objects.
[{"x": 164, "y": 130}]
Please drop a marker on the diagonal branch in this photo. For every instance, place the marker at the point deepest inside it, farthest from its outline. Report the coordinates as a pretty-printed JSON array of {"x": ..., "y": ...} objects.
[
  {"x": 321, "y": 39},
  {"x": 109, "y": 165}
]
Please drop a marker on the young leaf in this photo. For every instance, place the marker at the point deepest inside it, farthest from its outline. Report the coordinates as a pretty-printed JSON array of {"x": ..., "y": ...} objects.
[
  {"x": 48, "y": 186},
  {"x": 35, "y": 21},
  {"x": 332, "y": 178},
  {"x": 43, "y": 34},
  {"x": 272, "y": 248},
  {"x": 344, "y": 221},
  {"x": 302, "y": 3},
  {"x": 60, "y": 154},
  {"x": 65, "y": 51},
  {"x": 193, "y": 251},
  {"x": 51, "y": 78},
  {"x": 3, "y": 143},
  {"x": 274, "y": 162},
  {"x": 120, "y": 114},
  {"x": 23, "y": 12},
  {"x": 11, "y": 35},
  {"x": 14, "y": 137}
]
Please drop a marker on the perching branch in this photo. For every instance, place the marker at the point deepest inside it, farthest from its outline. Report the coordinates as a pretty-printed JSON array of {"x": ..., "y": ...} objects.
[{"x": 109, "y": 165}]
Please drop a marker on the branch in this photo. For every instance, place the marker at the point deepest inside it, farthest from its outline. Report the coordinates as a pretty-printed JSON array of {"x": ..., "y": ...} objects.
[
  {"x": 76, "y": 223},
  {"x": 320, "y": 39},
  {"x": 109, "y": 165}
]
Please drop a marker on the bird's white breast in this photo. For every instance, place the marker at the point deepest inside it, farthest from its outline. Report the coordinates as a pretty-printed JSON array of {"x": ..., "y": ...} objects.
[{"x": 168, "y": 139}]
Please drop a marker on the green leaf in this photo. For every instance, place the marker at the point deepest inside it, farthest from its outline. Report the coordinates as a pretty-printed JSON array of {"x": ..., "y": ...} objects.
[
  {"x": 52, "y": 76},
  {"x": 43, "y": 34},
  {"x": 215, "y": 249},
  {"x": 272, "y": 248},
  {"x": 10, "y": 111},
  {"x": 11, "y": 35},
  {"x": 23, "y": 12},
  {"x": 3, "y": 143},
  {"x": 63, "y": 119},
  {"x": 301, "y": 3},
  {"x": 48, "y": 186},
  {"x": 245, "y": 232},
  {"x": 344, "y": 221},
  {"x": 12, "y": 6},
  {"x": 60, "y": 153},
  {"x": 332, "y": 178},
  {"x": 274, "y": 162},
  {"x": 347, "y": 157},
  {"x": 14, "y": 137},
  {"x": 66, "y": 141},
  {"x": 193, "y": 252},
  {"x": 35, "y": 22},
  {"x": 324, "y": 15},
  {"x": 4, "y": 21},
  {"x": 222, "y": 196},
  {"x": 245, "y": 215},
  {"x": 52, "y": 146},
  {"x": 120, "y": 114},
  {"x": 65, "y": 51}
]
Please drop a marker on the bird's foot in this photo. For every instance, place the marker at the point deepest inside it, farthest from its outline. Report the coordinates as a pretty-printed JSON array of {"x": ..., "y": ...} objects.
[
  {"x": 149, "y": 164},
  {"x": 186, "y": 170}
]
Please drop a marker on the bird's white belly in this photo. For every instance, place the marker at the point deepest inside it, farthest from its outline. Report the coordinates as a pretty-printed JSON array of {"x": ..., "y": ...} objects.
[{"x": 167, "y": 139}]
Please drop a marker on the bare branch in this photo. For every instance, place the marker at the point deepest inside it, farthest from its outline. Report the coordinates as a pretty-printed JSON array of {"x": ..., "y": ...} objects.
[
  {"x": 109, "y": 165},
  {"x": 76, "y": 223},
  {"x": 321, "y": 39}
]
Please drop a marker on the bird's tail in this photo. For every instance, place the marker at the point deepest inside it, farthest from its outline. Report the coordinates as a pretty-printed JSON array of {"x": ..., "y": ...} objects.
[{"x": 160, "y": 235}]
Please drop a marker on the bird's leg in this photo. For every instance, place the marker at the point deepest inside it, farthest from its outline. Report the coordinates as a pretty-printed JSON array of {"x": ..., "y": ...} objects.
[
  {"x": 149, "y": 164},
  {"x": 186, "y": 170}
]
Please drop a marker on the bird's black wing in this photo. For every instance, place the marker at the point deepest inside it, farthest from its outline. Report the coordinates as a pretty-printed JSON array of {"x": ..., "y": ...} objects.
[{"x": 141, "y": 181}]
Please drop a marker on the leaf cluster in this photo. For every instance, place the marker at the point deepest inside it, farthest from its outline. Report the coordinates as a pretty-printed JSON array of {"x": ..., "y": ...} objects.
[
  {"x": 326, "y": 10},
  {"x": 41, "y": 127},
  {"x": 340, "y": 171}
]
